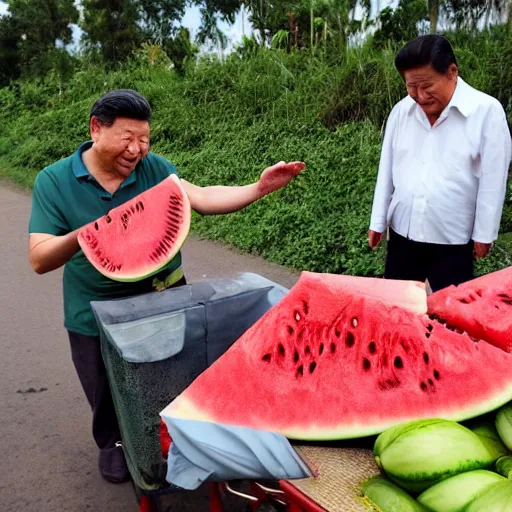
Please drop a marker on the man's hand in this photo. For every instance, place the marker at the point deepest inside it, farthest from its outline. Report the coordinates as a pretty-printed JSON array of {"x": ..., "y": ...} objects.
[
  {"x": 481, "y": 250},
  {"x": 374, "y": 238},
  {"x": 278, "y": 176}
]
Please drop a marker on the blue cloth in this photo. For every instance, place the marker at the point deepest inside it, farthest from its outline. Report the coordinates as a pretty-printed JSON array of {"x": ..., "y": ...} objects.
[{"x": 209, "y": 452}]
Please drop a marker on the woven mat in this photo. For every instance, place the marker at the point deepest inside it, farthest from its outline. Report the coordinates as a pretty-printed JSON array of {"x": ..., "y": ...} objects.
[{"x": 337, "y": 487}]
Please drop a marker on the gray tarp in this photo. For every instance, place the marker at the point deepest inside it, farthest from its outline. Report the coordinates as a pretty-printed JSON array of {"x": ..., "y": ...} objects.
[{"x": 154, "y": 345}]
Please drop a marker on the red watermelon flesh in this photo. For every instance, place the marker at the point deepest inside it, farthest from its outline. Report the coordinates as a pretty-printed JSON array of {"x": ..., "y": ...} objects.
[
  {"x": 482, "y": 307},
  {"x": 329, "y": 363},
  {"x": 138, "y": 238}
]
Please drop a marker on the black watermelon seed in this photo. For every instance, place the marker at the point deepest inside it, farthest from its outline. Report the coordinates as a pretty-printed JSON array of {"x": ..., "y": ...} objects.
[
  {"x": 366, "y": 364},
  {"x": 267, "y": 358},
  {"x": 436, "y": 375},
  {"x": 321, "y": 349},
  {"x": 431, "y": 382},
  {"x": 295, "y": 357},
  {"x": 372, "y": 347},
  {"x": 337, "y": 332},
  {"x": 430, "y": 327},
  {"x": 281, "y": 350},
  {"x": 307, "y": 350},
  {"x": 300, "y": 370},
  {"x": 350, "y": 340},
  {"x": 96, "y": 226},
  {"x": 398, "y": 362},
  {"x": 333, "y": 348},
  {"x": 305, "y": 307},
  {"x": 108, "y": 219},
  {"x": 404, "y": 345},
  {"x": 423, "y": 386},
  {"x": 425, "y": 357},
  {"x": 312, "y": 367},
  {"x": 290, "y": 329},
  {"x": 427, "y": 335}
]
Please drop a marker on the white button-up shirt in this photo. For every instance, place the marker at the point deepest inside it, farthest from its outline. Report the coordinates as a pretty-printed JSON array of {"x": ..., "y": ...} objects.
[{"x": 444, "y": 183}]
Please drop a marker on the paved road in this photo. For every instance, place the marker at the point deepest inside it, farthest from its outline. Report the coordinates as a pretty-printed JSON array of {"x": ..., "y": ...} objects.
[{"x": 48, "y": 460}]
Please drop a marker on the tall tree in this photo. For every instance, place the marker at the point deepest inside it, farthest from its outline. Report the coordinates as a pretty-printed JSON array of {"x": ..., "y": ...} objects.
[
  {"x": 510, "y": 17},
  {"x": 42, "y": 24},
  {"x": 433, "y": 14},
  {"x": 10, "y": 54},
  {"x": 469, "y": 14},
  {"x": 118, "y": 27},
  {"x": 158, "y": 19},
  {"x": 111, "y": 27}
]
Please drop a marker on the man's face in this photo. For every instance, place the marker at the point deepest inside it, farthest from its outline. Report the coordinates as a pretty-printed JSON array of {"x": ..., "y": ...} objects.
[
  {"x": 121, "y": 146},
  {"x": 430, "y": 89}
]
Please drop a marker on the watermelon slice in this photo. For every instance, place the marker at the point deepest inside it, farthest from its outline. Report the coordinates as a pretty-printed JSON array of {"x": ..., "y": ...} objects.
[
  {"x": 328, "y": 362},
  {"x": 141, "y": 236},
  {"x": 482, "y": 307}
]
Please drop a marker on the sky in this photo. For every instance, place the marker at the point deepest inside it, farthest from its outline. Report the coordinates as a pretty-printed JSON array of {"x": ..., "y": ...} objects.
[{"x": 192, "y": 20}]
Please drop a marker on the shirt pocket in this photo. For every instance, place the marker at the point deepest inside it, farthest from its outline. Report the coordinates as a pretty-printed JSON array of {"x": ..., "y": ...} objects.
[{"x": 457, "y": 158}]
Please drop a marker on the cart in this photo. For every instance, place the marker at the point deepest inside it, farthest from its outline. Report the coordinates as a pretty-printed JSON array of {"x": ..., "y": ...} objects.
[{"x": 154, "y": 345}]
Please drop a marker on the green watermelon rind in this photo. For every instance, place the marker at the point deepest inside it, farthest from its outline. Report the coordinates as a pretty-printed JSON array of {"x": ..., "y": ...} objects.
[
  {"x": 380, "y": 493},
  {"x": 423, "y": 453},
  {"x": 495, "y": 498},
  {"x": 456, "y": 492}
]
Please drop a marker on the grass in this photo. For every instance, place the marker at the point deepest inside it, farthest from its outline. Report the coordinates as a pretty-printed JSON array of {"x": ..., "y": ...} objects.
[{"x": 223, "y": 123}]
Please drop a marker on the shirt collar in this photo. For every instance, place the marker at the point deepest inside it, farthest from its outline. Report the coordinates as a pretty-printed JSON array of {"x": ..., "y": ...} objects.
[
  {"x": 77, "y": 164},
  {"x": 82, "y": 173},
  {"x": 461, "y": 100}
]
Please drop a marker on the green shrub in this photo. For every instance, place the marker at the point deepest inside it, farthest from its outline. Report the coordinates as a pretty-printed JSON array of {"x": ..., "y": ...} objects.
[{"x": 224, "y": 122}]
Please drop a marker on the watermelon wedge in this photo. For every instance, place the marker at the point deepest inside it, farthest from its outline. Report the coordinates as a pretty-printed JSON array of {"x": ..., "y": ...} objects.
[
  {"x": 141, "y": 236},
  {"x": 482, "y": 307},
  {"x": 328, "y": 362}
]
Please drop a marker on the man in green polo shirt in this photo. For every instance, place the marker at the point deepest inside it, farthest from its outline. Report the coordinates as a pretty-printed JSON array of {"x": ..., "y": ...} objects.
[{"x": 113, "y": 167}]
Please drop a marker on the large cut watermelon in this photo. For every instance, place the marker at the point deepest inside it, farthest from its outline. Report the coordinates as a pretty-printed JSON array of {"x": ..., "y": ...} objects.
[
  {"x": 482, "y": 307},
  {"x": 141, "y": 236},
  {"x": 328, "y": 362}
]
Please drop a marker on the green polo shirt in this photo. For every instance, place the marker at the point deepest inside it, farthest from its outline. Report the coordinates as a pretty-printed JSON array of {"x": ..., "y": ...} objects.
[{"x": 65, "y": 197}]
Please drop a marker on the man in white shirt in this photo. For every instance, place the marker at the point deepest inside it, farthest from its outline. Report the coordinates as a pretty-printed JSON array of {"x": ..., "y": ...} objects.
[{"x": 443, "y": 170}]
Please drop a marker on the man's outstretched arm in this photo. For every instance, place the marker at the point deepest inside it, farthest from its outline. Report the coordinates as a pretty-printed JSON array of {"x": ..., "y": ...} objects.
[
  {"x": 48, "y": 252},
  {"x": 218, "y": 199}
]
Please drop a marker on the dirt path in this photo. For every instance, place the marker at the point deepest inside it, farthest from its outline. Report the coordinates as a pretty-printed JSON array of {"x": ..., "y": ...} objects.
[{"x": 48, "y": 460}]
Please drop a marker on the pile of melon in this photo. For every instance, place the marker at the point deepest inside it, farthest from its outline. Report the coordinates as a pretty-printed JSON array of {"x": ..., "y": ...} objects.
[{"x": 338, "y": 357}]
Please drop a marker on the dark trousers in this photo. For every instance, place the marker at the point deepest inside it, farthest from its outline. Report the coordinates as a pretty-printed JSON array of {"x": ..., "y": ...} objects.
[
  {"x": 86, "y": 356},
  {"x": 441, "y": 264}
]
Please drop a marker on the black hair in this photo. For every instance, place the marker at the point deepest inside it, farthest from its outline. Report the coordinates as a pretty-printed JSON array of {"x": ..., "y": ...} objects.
[
  {"x": 432, "y": 49},
  {"x": 121, "y": 103}
]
